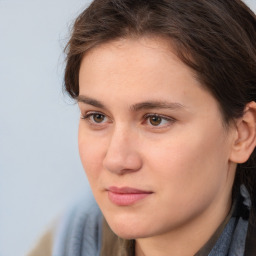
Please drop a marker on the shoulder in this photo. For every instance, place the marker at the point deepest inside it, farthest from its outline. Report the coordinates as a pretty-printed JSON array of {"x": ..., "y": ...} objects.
[{"x": 79, "y": 231}]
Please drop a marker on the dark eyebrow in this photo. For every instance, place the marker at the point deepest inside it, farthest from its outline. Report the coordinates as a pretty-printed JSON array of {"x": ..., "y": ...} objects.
[
  {"x": 135, "y": 107},
  {"x": 157, "y": 105},
  {"x": 90, "y": 101}
]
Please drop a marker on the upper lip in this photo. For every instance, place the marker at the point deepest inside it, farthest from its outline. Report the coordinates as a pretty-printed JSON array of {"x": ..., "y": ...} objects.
[{"x": 127, "y": 190}]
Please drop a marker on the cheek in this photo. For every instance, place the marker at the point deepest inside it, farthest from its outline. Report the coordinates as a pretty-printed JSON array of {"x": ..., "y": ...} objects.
[
  {"x": 188, "y": 172},
  {"x": 189, "y": 161},
  {"x": 91, "y": 154}
]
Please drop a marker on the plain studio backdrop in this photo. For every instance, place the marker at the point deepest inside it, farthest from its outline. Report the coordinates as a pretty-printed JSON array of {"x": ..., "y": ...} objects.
[{"x": 40, "y": 170}]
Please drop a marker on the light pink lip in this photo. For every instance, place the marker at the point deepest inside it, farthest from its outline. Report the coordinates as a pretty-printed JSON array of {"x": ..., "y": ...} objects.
[{"x": 125, "y": 196}]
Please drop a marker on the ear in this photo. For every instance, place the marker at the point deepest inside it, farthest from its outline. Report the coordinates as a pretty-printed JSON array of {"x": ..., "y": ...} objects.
[{"x": 245, "y": 138}]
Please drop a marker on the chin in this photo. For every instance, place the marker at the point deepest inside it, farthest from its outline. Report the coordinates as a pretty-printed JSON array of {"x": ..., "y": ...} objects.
[
  {"x": 128, "y": 234},
  {"x": 128, "y": 229}
]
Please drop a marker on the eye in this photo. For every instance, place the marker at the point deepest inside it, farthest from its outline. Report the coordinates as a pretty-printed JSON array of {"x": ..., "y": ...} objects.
[
  {"x": 155, "y": 120},
  {"x": 158, "y": 120},
  {"x": 95, "y": 118}
]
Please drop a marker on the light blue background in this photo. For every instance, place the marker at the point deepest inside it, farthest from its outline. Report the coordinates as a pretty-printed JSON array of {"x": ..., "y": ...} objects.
[{"x": 40, "y": 170}]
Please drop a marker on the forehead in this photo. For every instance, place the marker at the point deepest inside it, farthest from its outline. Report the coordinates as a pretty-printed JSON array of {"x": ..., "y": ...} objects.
[
  {"x": 136, "y": 69},
  {"x": 134, "y": 43},
  {"x": 131, "y": 56}
]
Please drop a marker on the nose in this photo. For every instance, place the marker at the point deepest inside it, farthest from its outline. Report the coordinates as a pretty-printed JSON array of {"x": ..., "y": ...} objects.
[{"x": 122, "y": 154}]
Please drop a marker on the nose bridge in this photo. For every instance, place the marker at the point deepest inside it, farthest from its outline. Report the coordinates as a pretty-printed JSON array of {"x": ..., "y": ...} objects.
[{"x": 122, "y": 153}]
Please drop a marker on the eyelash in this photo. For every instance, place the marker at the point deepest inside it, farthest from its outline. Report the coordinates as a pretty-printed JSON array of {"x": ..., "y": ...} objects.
[
  {"x": 168, "y": 120},
  {"x": 89, "y": 115}
]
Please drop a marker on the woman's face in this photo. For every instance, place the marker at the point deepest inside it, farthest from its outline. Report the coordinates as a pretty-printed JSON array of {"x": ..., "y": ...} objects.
[{"x": 151, "y": 139}]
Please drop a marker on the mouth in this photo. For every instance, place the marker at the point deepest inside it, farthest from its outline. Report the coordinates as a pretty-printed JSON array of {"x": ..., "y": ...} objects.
[{"x": 126, "y": 196}]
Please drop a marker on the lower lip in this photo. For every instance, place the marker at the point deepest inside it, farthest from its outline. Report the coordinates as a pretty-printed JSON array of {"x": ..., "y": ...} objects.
[{"x": 126, "y": 199}]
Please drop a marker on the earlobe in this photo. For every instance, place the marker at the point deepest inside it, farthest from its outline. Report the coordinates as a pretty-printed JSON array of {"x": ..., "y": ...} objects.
[{"x": 245, "y": 140}]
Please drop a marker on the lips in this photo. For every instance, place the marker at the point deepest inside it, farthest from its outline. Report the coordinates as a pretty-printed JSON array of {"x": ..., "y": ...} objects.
[{"x": 126, "y": 196}]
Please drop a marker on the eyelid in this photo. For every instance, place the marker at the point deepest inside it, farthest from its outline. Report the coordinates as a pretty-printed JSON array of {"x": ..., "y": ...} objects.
[
  {"x": 159, "y": 115},
  {"x": 89, "y": 114},
  {"x": 169, "y": 119}
]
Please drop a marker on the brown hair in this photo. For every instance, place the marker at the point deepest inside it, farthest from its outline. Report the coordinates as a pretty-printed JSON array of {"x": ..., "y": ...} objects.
[{"x": 216, "y": 38}]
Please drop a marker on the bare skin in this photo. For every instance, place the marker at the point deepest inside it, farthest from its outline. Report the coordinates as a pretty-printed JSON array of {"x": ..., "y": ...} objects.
[{"x": 148, "y": 124}]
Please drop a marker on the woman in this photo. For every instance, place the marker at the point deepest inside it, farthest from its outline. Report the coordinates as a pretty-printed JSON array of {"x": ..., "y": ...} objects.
[{"x": 167, "y": 94}]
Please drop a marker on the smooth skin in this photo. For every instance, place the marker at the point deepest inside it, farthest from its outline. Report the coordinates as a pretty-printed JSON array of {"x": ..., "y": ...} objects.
[{"x": 148, "y": 123}]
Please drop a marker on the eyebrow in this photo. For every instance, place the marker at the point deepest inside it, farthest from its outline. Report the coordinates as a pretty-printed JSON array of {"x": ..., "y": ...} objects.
[
  {"x": 136, "y": 107},
  {"x": 90, "y": 101},
  {"x": 157, "y": 105}
]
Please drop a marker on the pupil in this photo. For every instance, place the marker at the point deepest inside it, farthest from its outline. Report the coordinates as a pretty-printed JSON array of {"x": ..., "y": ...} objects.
[
  {"x": 98, "y": 118},
  {"x": 155, "y": 120}
]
